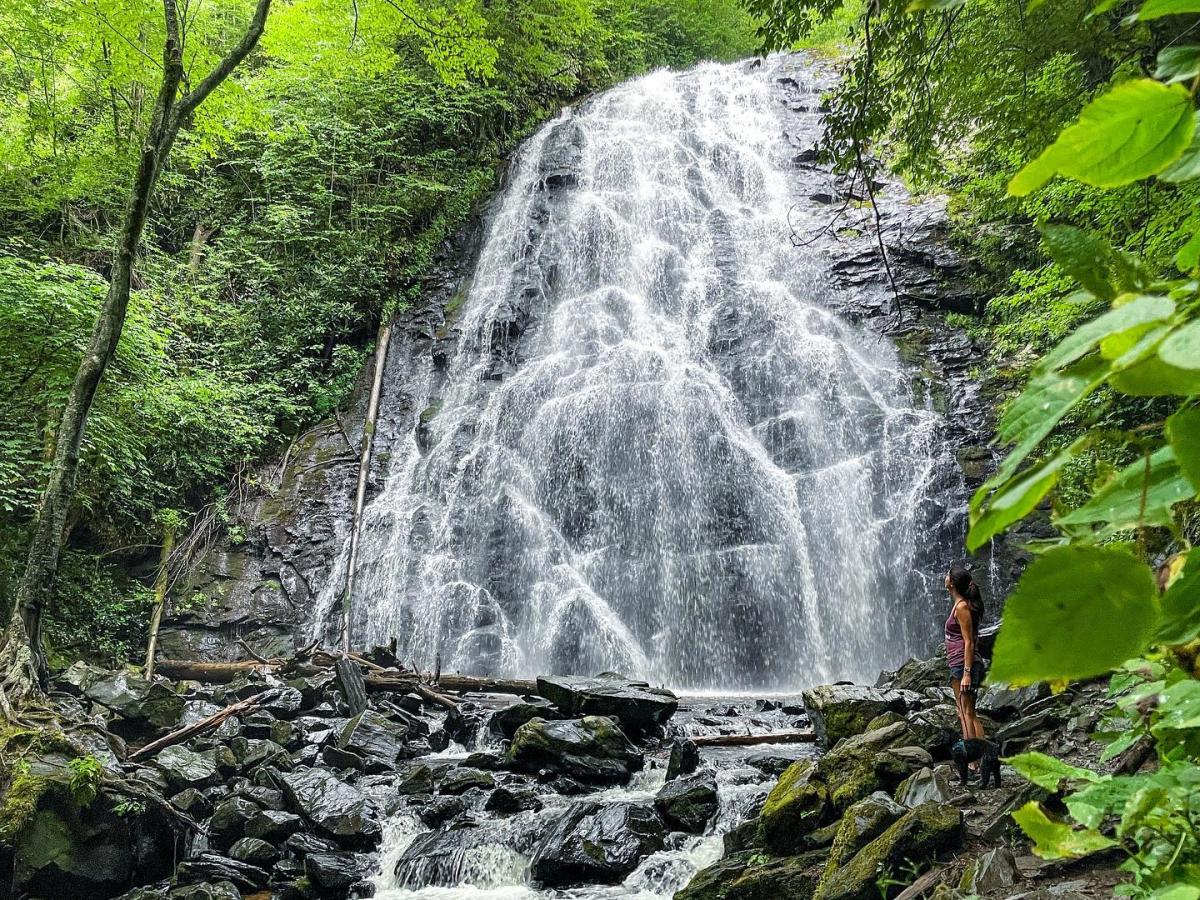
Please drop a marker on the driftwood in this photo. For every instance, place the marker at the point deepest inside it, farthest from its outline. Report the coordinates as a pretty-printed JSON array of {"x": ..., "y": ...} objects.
[
  {"x": 433, "y": 696},
  {"x": 187, "y": 731},
  {"x": 751, "y": 740},
  {"x": 399, "y": 681}
]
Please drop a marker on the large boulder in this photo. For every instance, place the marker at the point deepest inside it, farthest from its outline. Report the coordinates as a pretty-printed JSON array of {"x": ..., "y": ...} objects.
[
  {"x": 796, "y": 805},
  {"x": 184, "y": 768},
  {"x": 335, "y": 872},
  {"x": 860, "y": 824},
  {"x": 229, "y": 820},
  {"x": 912, "y": 841},
  {"x": 919, "y": 674},
  {"x": 597, "y": 843},
  {"x": 207, "y": 866},
  {"x": 636, "y": 705},
  {"x": 506, "y": 720},
  {"x": 684, "y": 759},
  {"x": 689, "y": 803},
  {"x": 591, "y": 749},
  {"x": 842, "y": 710},
  {"x": 376, "y": 739},
  {"x": 132, "y": 698},
  {"x": 336, "y": 808},
  {"x": 751, "y": 875}
]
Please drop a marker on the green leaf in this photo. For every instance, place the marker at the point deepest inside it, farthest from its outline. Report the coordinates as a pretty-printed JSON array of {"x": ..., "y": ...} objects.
[
  {"x": 1183, "y": 431},
  {"x": 1180, "y": 621},
  {"x": 1178, "y": 63},
  {"x": 933, "y": 5},
  {"x": 1015, "y": 499},
  {"x": 1176, "y": 892},
  {"x": 1093, "y": 803},
  {"x": 1134, "y": 131},
  {"x": 1031, "y": 416},
  {"x": 1178, "y": 708},
  {"x": 1048, "y": 772},
  {"x": 1135, "y": 314},
  {"x": 1082, "y": 255},
  {"x": 1152, "y": 377},
  {"x": 1188, "y": 164},
  {"x": 1188, "y": 256},
  {"x": 1156, "y": 9},
  {"x": 1077, "y": 612},
  {"x": 1057, "y": 840},
  {"x": 1181, "y": 349},
  {"x": 1137, "y": 495}
]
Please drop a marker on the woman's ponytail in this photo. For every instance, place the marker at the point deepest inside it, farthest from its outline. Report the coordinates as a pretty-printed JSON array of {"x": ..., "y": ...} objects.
[{"x": 965, "y": 586}]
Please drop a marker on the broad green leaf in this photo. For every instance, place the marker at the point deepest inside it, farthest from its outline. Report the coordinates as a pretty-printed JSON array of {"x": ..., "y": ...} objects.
[
  {"x": 1178, "y": 708},
  {"x": 933, "y": 5},
  {"x": 1188, "y": 164},
  {"x": 1152, "y": 377},
  {"x": 1137, "y": 495},
  {"x": 1180, "y": 621},
  {"x": 1156, "y": 9},
  {"x": 1102, "y": 7},
  {"x": 1188, "y": 256},
  {"x": 1015, "y": 499},
  {"x": 1048, "y": 772},
  {"x": 1090, "y": 805},
  {"x": 1183, "y": 431},
  {"x": 1031, "y": 416},
  {"x": 1178, "y": 63},
  {"x": 1076, "y": 612},
  {"x": 1136, "y": 314},
  {"x": 1134, "y": 131},
  {"x": 1181, "y": 348},
  {"x": 1057, "y": 840},
  {"x": 1082, "y": 255},
  {"x": 1176, "y": 892}
]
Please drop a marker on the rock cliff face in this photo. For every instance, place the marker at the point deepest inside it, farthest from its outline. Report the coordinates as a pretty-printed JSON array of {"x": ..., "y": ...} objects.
[{"x": 262, "y": 590}]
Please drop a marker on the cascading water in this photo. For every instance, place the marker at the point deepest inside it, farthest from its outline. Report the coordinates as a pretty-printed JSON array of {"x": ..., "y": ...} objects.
[{"x": 656, "y": 449}]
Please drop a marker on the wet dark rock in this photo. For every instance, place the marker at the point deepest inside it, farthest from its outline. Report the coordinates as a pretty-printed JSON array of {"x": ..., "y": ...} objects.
[
  {"x": 993, "y": 871},
  {"x": 229, "y": 820},
  {"x": 302, "y": 843},
  {"x": 594, "y": 843},
  {"x": 919, "y": 674},
  {"x": 285, "y": 703},
  {"x": 335, "y": 807},
  {"x": 416, "y": 780},
  {"x": 635, "y": 705},
  {"x": 213, "y": 867},
  {"x": 1008, "y": 703},
  {"x": 507, "y": 720},
  {"x": 132, "y": 698},
  {"x": 751, "y": 875},
  {"x": 192, "y": 802},
  {"x": 255, "y": 851},
  {"x": 770, "y": 762},
  {"x": 319, "y": 731},
  {"x": 487, "y": 760},
  {"x": 336, "y": 871},
  {"x": 273, "y": 825},
  {"x": 184, "y": 768},
  {"x": 839, "y": 711},
  {"x": 506, "y": 800},
  {"x": 337, "y": 758},
  {"x": 591, "y": 749},
  {"x": 221, "y": 890},
  {"x": 262, "y": 751},
  {"x": 148, "y": 892},
  {"x": 689, "y": 803},
  {"x": 375, "y": 738},
  {"x": 685, "y": 757},
  {"x": 438, "y": 810},
  {"x": 461, "y": 779},
  {"x": 267, "y": 798}
]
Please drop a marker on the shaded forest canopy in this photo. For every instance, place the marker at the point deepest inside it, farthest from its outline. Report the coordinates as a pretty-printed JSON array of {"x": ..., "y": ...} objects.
[{"x": 303, "y": 203}]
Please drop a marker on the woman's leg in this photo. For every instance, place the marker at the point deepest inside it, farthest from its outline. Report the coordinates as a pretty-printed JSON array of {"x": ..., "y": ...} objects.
[
  {"x": 970, "y": 719},
  {"x": 956, "y": 686}
]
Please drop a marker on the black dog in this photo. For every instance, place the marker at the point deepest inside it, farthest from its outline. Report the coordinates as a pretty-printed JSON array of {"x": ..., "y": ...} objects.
[{"x": 965, "y": 752}]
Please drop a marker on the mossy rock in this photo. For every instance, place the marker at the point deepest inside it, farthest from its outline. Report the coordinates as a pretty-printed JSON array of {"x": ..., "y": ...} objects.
[
  {"x": 756, "y": 876},
  {"x": 857, "y": 772},
  {"x": 842, "y": 710},
  {"x": 862, "y": 823},
  {"x": 796, "y": 806},
  {"x": 885, "y": 719},
  {"x": 908, "y": 846}
]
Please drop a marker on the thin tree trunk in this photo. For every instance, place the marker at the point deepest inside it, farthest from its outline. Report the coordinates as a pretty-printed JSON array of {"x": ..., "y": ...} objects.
[
  {"x": 364, "y": 470},
  {"x": 170, "y": 112},
  {"x": 160, "y": 595}
]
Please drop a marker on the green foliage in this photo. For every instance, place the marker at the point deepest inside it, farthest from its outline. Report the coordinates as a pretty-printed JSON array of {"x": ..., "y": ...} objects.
[{"x": 86, "y": 774}]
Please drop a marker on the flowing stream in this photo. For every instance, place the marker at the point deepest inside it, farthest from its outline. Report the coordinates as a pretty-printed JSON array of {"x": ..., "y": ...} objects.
[{"x": 654, "y": 447}]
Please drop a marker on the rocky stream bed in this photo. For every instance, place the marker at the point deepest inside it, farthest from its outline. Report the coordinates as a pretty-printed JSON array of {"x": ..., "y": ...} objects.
[{"x": 592, "y": 788}]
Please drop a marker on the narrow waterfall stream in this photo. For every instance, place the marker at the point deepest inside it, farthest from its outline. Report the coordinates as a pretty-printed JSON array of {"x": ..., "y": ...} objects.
[{"x": 655, "y": 448}]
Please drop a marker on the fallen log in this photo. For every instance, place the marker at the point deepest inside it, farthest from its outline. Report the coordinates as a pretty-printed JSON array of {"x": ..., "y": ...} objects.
[
  {"x": 207, "y": 724},
  {"x": 225, "y": 672},
  {"x": 433, "y": 696},
  {"x": 399, "y": 681},
  {"x": 751, "y": 740}
]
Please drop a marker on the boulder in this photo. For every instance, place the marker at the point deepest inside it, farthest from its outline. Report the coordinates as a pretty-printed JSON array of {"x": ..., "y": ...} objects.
[
  {"x": 333, "y": 806},
  {"x": 860, "y": 824},
  {"x": 255, "y": 851},
  {"x": 207, "y": 866},
  {"x": 229, "y": 820},
  {"x": 995, "y": 870},
  {"x": 222, "y": 890},
  {"x": 688, "y": 803},
  {"x": 591, "y": 749},
  {"x": 853, "y": 774},
  {"x": 919, "y": 674},
  {"x": 685, "y": 758},
  {"x": 273, "y": 825},
  {"x": 927, "y": 785},
  {"x": 416, "y": 780},
  {"x": 593, "y": 843},
  {"x": 134, "y": 699},
  {"x": 461, "y": 779},
  {"x": 911, "y": 841},
  {"x": 438, "y": 810},
  {"x": 635, "y": 705},
  {"x": 796, "y": 805},
  {"x": 184, "y": 768},
  {"x": 1005, "y": 703},
  {"x": 507, "y": 720},
  {"x": 302, "y": 843},
  {"x": 192, "y": 802},
  {"x": 334, "y": 872},
  {"x": 842, "y": 710},
  {"x": 750, "y": 875},
  {"x": 375, "y": 738},
  {"x": 506, "y": 800}
]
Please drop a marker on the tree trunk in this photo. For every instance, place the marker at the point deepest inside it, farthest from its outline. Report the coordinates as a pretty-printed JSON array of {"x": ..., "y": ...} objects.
[
  {"x": 170, "y": 112},
  {"x": 160, "y": 595}
]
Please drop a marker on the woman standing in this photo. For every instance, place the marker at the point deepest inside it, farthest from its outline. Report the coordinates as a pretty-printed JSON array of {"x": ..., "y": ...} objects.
[{"x": 962, "y": 632}]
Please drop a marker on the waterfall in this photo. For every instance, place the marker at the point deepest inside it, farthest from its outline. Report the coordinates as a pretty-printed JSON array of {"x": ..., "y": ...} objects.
[{"x": 655, "y": 447}]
